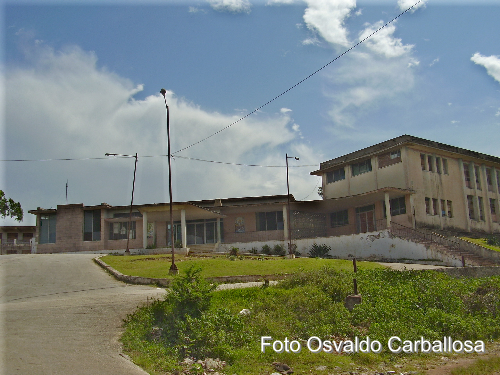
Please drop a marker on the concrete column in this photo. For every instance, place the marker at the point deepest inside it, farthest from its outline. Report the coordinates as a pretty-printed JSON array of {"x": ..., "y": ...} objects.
[
  {"x": 219, "y": 237},
  {"x": 486, "y": 199},
  {"x": 464, "y": 200},
  {"x": 388, "y": 209},
  {"x": 183, "y": 228},
  {"x": 144, "y": 230},
  {"x": 285, "y": 223},
  {"x": 412, "y": 211}
]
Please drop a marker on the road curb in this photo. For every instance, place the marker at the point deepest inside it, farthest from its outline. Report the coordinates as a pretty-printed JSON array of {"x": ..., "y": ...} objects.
[{"x": 138, "y": 280}]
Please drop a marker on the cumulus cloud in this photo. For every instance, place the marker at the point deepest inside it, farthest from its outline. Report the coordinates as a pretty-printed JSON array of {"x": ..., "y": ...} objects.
[
  {"x": 65, "y": 106},
  {"x": 327, "y": 18},
  {"x": 491, "y": 63},
  {"x": 405, "y": 4},
  {"x": 384, "y": 42},
  {"x": 235, "y": 6}
]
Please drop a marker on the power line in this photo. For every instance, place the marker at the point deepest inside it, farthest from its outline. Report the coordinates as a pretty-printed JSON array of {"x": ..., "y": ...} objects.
[
  {"x": 301, "y": 81},
  {"x": 157, "y": 156}
]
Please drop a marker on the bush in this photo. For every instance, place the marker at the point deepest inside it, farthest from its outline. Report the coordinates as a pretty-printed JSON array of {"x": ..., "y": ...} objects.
[
  {"x": 319, "y": 251},
  {"x": 266, "y": 249},
  {"x": 234, "y": 251},
  {"x": 493, "y": 241},
  {"x": 279, "y": 250}
]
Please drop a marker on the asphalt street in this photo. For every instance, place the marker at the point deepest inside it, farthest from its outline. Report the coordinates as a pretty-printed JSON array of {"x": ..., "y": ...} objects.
[{"x": 62, "y": 314}]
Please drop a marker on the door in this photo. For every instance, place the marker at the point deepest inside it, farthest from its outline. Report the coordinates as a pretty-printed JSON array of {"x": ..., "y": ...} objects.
[{"x": 365, "y": 219}]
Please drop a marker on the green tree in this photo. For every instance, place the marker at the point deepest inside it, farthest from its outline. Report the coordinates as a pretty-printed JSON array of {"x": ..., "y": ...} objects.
[{"x": 10, "y": 208}]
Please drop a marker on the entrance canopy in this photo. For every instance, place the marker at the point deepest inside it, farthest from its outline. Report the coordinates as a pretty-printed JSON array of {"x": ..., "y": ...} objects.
[{"x": 161, "y": 212}]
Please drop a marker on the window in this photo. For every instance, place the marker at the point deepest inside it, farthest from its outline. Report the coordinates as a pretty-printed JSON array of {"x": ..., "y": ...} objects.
[
  {"x": 435, "y": 207},
  {"x": 430, "y": 163},
  {"x": 498, "y": 179},
  {"x": 363, "y": 167},
  {"x": 336, "y": 175},
  {"x": 398, "y": 206},
  {"x": 118, "y": 231},
  {"x": 443, "y": 208},
  {"x": 489, "y": 180},
  {"x": 92, "y": 225},
  {"x": 422, "y": 162},
  {"x": 481, "y": 208},
  {"x": 467, "y": 176},
  {"x": 450, "y": 210},
  {"x": 339, "y": 218},
  {"x": 48, "y": 228},
  {"x": 428, "y": 206},
  {"x": 478, "y": 177},
  {"x": 438, "y": 165},
  {"x": 270, "y": 220},
  {"x": 445, "y": 166},
  {"x": 470, "y": 206},
  {"x": 395, "y": 154},
  {"x": 493, "y": 206}
]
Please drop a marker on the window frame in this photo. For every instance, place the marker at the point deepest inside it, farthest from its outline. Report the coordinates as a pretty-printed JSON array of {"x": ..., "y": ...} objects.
[
  {"x": 339, "y": 218},
  {"x": 362, "y": 167},
  {"x": 264, "y": 221}
]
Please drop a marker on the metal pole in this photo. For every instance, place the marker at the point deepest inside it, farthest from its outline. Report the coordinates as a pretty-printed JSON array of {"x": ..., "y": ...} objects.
[
  {"x": 173, "y": 267},
  {"x": 290, "y": 251},
  {"x": 129, "y": 231}
]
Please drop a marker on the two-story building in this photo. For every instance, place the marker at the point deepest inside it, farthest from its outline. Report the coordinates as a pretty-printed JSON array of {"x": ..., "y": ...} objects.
[{"x": 413, "y": 182}]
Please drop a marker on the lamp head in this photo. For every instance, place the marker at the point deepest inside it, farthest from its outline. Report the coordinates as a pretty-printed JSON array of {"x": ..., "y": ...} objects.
[{"x": 163, "y": 92}]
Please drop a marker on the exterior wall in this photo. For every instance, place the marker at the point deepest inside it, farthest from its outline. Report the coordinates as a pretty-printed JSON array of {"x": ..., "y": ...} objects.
[
  {"x": 250, "y": 233},
  {"x": 452, "y": 187},
  {"x": 69, "y": 232},
  {"x": 441, "y": 181}
]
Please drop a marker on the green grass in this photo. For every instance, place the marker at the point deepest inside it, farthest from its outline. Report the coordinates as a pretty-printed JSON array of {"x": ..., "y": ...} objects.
[
  {"x": 482, "y": 242},
  {"x": 157, "y": 266},
  {"x": 480, "y": 367},
  {"x": 409, "y": 304}
]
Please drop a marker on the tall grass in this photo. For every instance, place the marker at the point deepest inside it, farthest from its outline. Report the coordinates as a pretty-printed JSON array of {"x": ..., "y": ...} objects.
[{"x": 407, "y": 304}]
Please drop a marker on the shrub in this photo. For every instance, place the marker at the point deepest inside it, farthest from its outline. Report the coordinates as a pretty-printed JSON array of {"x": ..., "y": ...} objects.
[
  {"x": 279, "y": 250},
  {"x": 319, "y": 251},
  {"x": 254, "y": 250},
  {"x": 234, "y": 251},
  {"x": 266, "y": 249}
]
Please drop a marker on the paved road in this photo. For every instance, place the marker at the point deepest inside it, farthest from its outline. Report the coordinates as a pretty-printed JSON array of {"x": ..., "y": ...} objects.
[{"x": 62, "y": 314}]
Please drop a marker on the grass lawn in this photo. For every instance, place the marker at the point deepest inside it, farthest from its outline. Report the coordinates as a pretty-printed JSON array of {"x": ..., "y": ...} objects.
[
  {"x": 157, "y": 266},
  {"x": 482, "y": 242}
]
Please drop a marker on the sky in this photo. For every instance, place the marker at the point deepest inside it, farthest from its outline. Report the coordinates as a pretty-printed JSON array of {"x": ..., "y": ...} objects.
[{"x": 248, "y": 82}]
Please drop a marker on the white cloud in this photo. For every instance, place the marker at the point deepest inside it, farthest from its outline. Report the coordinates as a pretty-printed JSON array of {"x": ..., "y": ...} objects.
[
  {"x": 491, "y": 63},
  {"x": 327, "y": 18},
  {"x": 435, "y": 61},
  {"x": 365, "y": 81},
  {"x": 310, "y": 41},
  {"x": 498, "y": 113},
  {"x": 65, "y": 106},
  {"x": 383, "y": 42},
  {"x": 285, "y": 110},
  {"x": 280, "y": 2},
  {"x": 405, "y": 4},
  {"x": 236, "y": 6}
]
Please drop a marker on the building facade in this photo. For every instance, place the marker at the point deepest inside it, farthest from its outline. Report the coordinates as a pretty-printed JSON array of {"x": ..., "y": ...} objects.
[
  {"x": 413, "y": 182},
  {"x": 406, "y": 181}
]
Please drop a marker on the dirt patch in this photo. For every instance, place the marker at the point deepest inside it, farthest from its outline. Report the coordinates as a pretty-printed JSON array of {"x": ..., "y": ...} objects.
[{"x": 445, "y": 365}]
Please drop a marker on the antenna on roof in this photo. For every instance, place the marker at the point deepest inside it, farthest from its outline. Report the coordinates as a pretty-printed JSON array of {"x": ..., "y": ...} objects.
[{"x": 66, "y": 191}]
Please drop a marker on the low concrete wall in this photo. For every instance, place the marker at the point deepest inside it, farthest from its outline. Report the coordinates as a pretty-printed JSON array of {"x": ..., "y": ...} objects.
[{"x": 375, "y": 245}]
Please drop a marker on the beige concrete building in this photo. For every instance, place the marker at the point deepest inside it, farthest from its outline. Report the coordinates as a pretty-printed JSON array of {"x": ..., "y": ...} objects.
[{"x": 413, "y": 182}]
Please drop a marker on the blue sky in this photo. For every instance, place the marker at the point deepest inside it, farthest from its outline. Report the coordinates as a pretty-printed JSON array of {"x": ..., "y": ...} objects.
[{"x": 82, "y": 78}]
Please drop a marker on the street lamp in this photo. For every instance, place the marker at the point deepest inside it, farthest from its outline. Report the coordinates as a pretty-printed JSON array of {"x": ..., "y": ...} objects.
[
  {"x": 173, "y": 267},
  {"x": 290, "y": 251},
  {"x": 129, "y": 231}
]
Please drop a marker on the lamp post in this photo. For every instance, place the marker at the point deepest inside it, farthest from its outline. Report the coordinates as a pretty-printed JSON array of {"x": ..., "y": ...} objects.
[
  {"x": 290, "y": 251},
  {"x": 173, "y": 267},
  {"x": 129, "y": 229}
]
